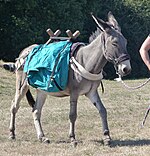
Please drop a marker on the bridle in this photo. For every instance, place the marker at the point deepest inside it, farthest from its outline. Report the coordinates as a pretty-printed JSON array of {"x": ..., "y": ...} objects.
[{"x": 113, "y": 59}]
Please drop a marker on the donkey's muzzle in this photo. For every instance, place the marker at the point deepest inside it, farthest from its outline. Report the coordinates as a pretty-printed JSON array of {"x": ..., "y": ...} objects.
[{"x": 124, "y": 68}]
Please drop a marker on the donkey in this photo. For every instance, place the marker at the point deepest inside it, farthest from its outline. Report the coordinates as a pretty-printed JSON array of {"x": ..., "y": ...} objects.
[{"x": 108, "y": 45}]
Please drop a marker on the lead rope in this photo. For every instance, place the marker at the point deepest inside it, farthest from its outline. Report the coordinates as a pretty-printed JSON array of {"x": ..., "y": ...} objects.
[
  {"x": 146, "y": 114},
  {"x": 119, "y": 79}
]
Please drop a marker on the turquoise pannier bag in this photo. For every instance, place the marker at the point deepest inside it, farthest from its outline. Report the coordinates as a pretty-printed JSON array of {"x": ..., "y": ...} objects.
[{"x": 47, "y": 66}]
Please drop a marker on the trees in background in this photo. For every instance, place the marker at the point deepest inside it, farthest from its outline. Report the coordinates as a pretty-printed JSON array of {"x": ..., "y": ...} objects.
[{"x": 24, "y": 22}]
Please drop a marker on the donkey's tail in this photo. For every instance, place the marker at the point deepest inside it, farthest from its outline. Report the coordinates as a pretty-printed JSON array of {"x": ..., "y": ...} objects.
[
  {"x": 30, "y": 98},
  {"x": 10, "y": 66}
]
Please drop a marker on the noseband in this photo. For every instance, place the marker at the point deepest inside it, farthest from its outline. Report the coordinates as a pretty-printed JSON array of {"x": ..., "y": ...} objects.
[{"x": 121, "y": 58}]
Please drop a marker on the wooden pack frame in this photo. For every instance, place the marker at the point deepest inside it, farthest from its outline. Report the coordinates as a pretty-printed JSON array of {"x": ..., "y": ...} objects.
[{"x": 55, "y": 36}]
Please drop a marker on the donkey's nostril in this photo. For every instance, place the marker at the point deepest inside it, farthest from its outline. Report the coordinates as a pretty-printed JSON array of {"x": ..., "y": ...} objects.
[{"x": 126, "y": 70}]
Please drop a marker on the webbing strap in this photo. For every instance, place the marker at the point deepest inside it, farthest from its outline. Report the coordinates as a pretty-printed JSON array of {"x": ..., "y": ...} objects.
[{"x": 83, "y": 72}]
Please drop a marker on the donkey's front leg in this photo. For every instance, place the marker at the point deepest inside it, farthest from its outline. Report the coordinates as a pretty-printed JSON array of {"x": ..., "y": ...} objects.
[
  {"x": 94, "y": 97},
  {"x": 40, "y": 100},
  {"x": 73, "y": 117}
]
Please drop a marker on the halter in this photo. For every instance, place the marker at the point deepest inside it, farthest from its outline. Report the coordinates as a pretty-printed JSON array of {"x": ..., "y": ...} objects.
[{"x": 116, "y": 61}]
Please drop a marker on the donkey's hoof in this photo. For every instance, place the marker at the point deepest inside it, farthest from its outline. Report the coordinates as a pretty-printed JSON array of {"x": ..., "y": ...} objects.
[
  {"x": 45, "y": 140},
  {"x": 12, "y": 137},
  {"x": 107, "y": 141},
  {"x": 74, "y": 143}
]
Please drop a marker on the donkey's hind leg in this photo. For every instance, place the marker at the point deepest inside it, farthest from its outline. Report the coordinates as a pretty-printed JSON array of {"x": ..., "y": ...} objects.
[
  {"x": 40, "y": 100},
  {"x": 21, "y": 89},
  {"x": 95, "y": 99}
]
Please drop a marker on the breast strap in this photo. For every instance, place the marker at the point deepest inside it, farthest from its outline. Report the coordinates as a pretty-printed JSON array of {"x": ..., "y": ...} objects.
[{"x": 78, "y": 68}]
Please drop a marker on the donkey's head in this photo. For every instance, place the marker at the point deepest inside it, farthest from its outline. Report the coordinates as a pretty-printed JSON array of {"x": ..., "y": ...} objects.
[{"x": 114, "y": 44}]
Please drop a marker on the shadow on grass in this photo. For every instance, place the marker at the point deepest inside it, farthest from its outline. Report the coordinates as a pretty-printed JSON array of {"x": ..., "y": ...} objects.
[
  {"x": 142, "y": 142},
  {"x": 121, "y": 143},
  {"x": 67, "y": 141}
]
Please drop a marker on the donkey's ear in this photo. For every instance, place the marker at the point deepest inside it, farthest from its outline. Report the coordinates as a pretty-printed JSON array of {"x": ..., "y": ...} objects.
[
  {"x": 100, "y": 23},
  {"x": 113, "y": 21},
  {"x": 103, "y": 24}
]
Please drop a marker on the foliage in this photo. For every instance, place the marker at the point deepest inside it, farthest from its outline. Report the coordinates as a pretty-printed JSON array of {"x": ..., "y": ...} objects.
[{"x": 24, "y": 22}]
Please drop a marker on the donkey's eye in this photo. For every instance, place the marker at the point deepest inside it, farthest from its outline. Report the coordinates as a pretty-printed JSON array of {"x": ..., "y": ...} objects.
[{"x": 115, "y": 44}]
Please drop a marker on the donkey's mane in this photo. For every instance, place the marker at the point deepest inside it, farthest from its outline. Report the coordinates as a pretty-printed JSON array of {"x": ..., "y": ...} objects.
[{"x": 94, "y": 35}]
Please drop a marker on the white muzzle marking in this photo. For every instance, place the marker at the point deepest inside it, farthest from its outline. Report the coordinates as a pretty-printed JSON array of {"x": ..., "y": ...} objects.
[{"x": 124, "y": 68}]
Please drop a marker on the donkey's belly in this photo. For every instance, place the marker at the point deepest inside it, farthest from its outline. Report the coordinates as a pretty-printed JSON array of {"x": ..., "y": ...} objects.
[
  {"x": 57, "y": 94},
  {"x": 81, "y": 90}
]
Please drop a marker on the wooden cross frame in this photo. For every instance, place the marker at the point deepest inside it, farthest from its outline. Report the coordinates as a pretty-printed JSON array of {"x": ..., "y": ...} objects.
[
  {"x": 51, "y": 34},
  {"x": 74, "y": 35},
  {"x": 55, "y": 36}
]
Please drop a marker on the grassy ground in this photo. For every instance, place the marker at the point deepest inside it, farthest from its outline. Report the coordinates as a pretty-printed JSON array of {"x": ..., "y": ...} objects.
[{"x": 125, "y": 108}]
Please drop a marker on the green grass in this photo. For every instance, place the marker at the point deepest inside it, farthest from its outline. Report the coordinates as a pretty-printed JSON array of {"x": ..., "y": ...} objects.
[{"x": 125, "y": 108}]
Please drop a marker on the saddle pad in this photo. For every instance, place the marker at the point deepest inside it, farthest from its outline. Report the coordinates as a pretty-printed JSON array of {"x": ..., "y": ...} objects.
[{"x": 47, "y": 66}]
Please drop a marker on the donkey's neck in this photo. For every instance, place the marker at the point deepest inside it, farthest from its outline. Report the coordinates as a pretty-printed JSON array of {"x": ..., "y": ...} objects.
[{"x": 91, "y": 56}]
